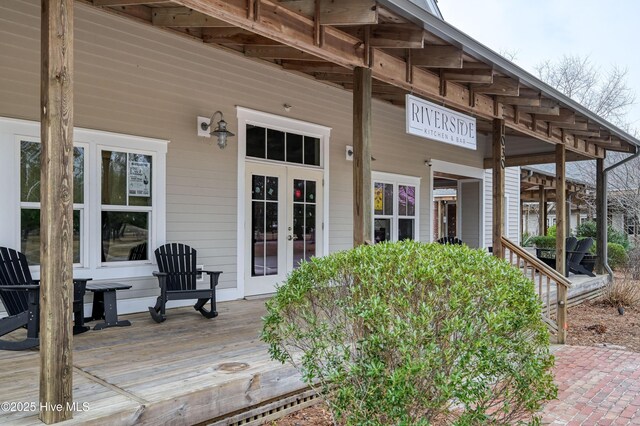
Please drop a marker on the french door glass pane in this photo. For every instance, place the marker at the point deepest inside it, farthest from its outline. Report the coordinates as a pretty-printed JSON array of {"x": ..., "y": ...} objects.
[
  {"x": 264, "y": 226},
  {"x": 30, "y": 235},
  {"x": 382, "y": 230},
  {"x": 383, "y": 198},
  {"x": 125, "y": 236},
  {"x": 311, "y": 151},
  {"x": 405, "y": 229},
  {"x": 304, "y": 220}
]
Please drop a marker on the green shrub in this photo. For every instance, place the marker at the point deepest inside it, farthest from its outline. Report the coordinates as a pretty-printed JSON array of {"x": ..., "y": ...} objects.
[
  {"x": 551, "y": 231},
  {"x": 588, "y": 229},
  {"x": 544, "y": 241},
  {"x": 409, "y": 334},
  {"x": 616, "y": 255}
]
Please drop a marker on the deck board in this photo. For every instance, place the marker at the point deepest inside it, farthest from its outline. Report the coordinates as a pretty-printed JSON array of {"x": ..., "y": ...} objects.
[{"x": 183, "y": 371}]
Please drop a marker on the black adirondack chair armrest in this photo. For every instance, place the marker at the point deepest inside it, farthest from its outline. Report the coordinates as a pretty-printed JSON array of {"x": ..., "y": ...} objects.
[
  {"x": 211, "y": 272},
  {"x": 19, "y": 287},
  {"x": 82, "y": 280},
  {"x": 160, "y": 274}
]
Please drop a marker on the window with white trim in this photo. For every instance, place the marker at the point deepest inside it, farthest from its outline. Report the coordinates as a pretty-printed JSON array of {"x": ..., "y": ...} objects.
[
  {"x": 395, "y": 207},
  {"x": 118, "y": 199},
  {"x": 30, "y": 151}
]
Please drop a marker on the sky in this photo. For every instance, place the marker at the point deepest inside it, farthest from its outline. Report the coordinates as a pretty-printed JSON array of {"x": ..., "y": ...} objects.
[{"x": 537, "y": 30}]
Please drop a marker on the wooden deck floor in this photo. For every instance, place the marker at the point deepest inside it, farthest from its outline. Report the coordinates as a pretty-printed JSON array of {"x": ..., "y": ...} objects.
[{"x": 184, "y": 371}]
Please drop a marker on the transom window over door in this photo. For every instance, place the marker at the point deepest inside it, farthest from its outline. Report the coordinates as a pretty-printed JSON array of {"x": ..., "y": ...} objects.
[
  {"x": 395, "y": 207},
  {"x": 276, "y": 145}
]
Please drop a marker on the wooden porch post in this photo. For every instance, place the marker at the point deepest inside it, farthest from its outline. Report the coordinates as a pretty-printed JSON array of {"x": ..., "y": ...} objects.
[
  {"x": 601, "y": 216},
  {"x": 561, "y": 234},
  {"x": 542, "y": 211},
  {"x": 498, "y": 185},
  {"x": 56, "y": 216},
  {"x": 361, "y": 156}
]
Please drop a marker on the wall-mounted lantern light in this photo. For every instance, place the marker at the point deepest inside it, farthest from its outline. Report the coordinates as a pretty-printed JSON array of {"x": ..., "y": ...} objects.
[{"x": 220, "y": 131}]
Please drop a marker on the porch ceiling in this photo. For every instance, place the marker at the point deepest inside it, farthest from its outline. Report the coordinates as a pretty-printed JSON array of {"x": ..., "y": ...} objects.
[
  {"x": 326, "y": 40},
  {"x": 532, "y": 180}
]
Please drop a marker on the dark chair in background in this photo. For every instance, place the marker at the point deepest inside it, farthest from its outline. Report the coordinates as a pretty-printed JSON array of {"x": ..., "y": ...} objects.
[
  {"x": 20, "y": 296},
  {"x": 450, "y": 240},
  {"x": 177, "y": 278}
]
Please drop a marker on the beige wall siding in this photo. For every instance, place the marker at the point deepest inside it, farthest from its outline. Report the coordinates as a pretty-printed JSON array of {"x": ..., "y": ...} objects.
[{"x": 135, "y": 79}]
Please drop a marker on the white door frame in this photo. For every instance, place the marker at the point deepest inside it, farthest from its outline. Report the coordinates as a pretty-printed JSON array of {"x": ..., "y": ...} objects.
[
  {"x": 272, "y": 121},
  {"x": 471, "y": 172}
]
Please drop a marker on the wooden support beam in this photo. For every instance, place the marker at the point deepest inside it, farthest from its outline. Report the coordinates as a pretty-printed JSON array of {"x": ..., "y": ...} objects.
[
  {"x": 434, "y": 56},
  {"x": 565, "y": 116},
  {"x": 520, "y": 101},
  {"x": 235, "y": 36},
  {"x": 335, "y": 78},
  {"x": 362, "y": 215},
  {"x": 504, "y": 86},
  {"x": 533, "y": 159},
  {"x": 127, "y": 2},
  {"x": 586, "y": 133},
  {"x": 393, "y": 36},
  {"x": 353, "y": 12},
  {"x": 313, "y": 67},
  {"x": 278, "y": 52},
  {"x": 542, "y": 211},
  {"x": 547, "y": 107},
  {"x": 469, "y": 76},
  {"x": 601, "y": 216},
  {"x": 561, "y": 234},
  {"x": 498, "y": 149},
  {"x": 184, "y": 17},
  {"x": 56, "y": 211}
]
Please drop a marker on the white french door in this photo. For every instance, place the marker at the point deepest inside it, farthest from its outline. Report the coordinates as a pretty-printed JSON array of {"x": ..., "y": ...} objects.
[{"x": 283, "y": 223}]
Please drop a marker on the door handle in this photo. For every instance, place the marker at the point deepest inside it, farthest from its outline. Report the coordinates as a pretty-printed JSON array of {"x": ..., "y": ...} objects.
[{"x": 292, "y": 237}]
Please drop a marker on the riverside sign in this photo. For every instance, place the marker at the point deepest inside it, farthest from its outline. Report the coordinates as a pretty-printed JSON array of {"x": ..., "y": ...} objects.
[{"x": 431, "y": 121}]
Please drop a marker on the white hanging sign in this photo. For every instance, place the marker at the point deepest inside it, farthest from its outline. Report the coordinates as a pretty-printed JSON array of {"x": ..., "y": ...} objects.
[
  {"x": 139, "y": 179},
  {"x": 431, "y": 121}
]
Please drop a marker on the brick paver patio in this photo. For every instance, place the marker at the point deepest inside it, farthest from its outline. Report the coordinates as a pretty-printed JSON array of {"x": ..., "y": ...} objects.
[{"x": 596, "y": 386}]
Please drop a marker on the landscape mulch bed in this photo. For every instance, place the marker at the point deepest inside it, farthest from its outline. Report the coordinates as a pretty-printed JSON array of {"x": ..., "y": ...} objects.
[{"x": 590, "y": 324}]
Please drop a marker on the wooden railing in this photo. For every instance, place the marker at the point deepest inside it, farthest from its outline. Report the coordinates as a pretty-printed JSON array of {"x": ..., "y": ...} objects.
[{"x": 547, "y": 281}]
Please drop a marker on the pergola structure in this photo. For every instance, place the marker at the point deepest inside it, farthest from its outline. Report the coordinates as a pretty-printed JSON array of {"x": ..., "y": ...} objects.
[
  {"x": 381, "y": 49},
  {"x": 539, "y": 186}
]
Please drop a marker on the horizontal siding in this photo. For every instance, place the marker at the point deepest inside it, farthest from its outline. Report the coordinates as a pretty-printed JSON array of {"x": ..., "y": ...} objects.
[
  {"x": 512, "y": 189},
  {"x": 135, "y": 79}
]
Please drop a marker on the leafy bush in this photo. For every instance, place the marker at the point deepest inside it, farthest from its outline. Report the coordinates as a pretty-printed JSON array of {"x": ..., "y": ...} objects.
[
  {"x": 588, "y": 229},
  {"x": 544, "y": 241},
  {"x": 616, "y": 255},
  {"x": 410, "y": 334},
  {"x": 551, "y": 231}
]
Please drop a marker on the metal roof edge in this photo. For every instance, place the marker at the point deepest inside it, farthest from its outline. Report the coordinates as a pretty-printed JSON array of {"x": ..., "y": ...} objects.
[{"x": 452, "y": 35}]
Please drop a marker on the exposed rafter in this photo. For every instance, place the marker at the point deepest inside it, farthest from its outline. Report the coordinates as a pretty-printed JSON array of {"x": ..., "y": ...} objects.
[{"x": 432, "y": 56}]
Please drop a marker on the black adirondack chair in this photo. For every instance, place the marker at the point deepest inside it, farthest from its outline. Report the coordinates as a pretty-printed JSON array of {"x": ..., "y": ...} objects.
[
  {"x": 548, "y": 255},
  {"x": 450, "y": 240},
  {"x": 575, "y": 257},
  {"x": 177, "y": 279},
  {"x": 20, "y": 296}
]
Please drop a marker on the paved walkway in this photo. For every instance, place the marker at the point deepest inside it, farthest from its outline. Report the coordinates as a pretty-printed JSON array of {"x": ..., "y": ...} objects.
[{"x": 596, "y": 386}]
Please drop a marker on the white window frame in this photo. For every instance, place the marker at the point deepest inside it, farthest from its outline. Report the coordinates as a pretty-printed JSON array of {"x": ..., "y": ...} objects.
[
  {"x": 12, "y": 131},
  {"x": 396, "y": 180}
]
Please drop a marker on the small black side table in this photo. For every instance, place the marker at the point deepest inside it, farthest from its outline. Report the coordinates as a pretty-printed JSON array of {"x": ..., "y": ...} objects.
[{"x": 105, "y": 305}]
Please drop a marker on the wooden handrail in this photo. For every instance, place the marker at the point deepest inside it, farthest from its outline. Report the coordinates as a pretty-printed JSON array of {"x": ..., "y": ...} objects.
[
  {"x": 526, "y": 259},
  {"x": 534, "y": 261}
]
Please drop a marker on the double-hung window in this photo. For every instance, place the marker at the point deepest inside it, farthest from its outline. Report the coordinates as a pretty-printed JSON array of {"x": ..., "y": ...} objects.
[
  {"x": 118, "y": 199},
  {"x": 395, "y": 207}
]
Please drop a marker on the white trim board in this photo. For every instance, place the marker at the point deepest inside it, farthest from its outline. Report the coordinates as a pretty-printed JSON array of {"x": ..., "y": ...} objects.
[{"x": 264, "y": 119}]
